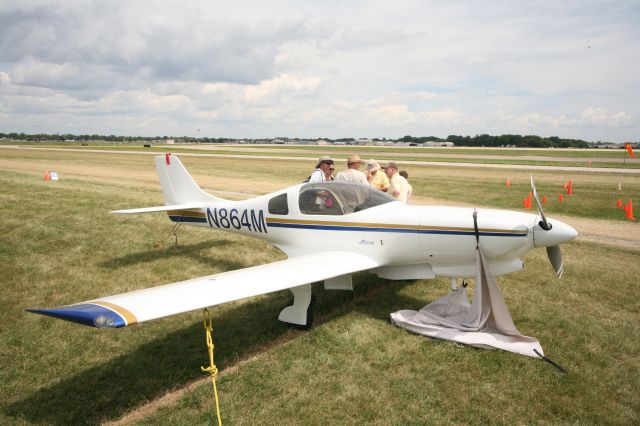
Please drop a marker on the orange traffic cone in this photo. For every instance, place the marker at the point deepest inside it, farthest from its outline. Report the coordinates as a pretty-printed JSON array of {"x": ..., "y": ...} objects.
[
  {"x": 560, "y": 198},
  {"x": 544, "y": 199},
  {"x": 47, "y": 176},
  {"x": 629, "y": 210},
  {"x": 507, "y": 183},
  {"x": 618, "y": 204},
  {"x": 570, "y": 188}
]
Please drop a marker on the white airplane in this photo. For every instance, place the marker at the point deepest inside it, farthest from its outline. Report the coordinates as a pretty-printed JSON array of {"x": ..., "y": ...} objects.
[{"x": 329, "y": 230}]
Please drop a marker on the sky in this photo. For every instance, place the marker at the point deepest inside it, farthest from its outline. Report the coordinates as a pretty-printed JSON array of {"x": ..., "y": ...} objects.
[{"x": 330, "y": 69}]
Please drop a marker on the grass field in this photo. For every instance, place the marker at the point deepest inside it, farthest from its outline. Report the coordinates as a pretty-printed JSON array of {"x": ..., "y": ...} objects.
[{"x": 59, "y": 245}]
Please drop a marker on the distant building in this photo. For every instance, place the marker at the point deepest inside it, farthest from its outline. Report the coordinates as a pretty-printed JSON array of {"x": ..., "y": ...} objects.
[
  {"x": 170, "y": 141},
  {"x": 322, "y": 142},
  {"x": 436, "y": 143}
]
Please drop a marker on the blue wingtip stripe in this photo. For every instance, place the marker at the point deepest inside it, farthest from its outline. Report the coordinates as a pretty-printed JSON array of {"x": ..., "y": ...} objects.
[{"x": 86, "y": 314}]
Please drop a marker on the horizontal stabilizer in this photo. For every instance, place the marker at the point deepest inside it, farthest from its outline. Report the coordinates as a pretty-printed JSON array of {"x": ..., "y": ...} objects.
[{"x": 185, "y": 206}]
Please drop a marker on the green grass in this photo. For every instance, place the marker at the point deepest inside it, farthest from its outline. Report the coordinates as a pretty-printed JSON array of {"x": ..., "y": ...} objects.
[{"x": 59, "y": 245}]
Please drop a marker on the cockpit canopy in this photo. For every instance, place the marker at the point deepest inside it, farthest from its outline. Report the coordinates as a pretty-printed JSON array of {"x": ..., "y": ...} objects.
[{"x": 339, "y": 198}]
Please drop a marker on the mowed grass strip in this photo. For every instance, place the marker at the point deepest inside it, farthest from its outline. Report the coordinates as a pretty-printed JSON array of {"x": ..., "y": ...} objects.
[{"x": 60, "y": 246}]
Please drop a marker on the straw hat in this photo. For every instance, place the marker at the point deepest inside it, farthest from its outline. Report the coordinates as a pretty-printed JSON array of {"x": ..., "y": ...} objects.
[
  {"x": 324, "y": 159},
  {"x": 373, "y": 165},
  {"x": 353, "y": 158}
]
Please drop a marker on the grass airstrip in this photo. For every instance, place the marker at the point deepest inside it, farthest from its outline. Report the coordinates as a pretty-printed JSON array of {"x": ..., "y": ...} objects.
[{"x": 60, "y": 245}]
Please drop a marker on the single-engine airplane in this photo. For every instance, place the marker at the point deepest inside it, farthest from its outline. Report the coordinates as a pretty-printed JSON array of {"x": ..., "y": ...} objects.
[{"x": 329, "y": 230}]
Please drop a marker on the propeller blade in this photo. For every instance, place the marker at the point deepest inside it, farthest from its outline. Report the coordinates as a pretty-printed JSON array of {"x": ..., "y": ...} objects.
[
  {"x": 555, "y": 256},
  {"x": 543, "y": 220}
]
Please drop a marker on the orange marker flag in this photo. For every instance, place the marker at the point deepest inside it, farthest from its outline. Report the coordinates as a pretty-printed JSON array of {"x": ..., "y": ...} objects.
[
  {"x": 544, "y": 199},
  {"x": 560, "y": 198},
  {"x": 570, "y": 188},
  {"x": 630, "y": 150},
  {"x": 508, "y": 183},
  {"x": 47, "y": 176},
  {"x": 618, "y": 204}
]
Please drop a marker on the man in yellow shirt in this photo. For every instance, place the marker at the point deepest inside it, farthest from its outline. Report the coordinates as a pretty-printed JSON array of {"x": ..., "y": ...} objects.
[
  {"x": 398, "y": 185},
  {"x": 376, "y": 178}
]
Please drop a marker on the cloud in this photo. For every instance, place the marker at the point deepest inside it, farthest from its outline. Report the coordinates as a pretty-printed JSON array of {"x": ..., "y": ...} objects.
[
  {"x": 602, "y": 117},
  {"x": 303, "y": 69}
]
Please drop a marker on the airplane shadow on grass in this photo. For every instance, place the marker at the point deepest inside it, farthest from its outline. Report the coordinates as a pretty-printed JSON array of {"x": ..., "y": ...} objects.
[
  {"x": 110, "y": 390},
  {"x": 194, "y": 251}
]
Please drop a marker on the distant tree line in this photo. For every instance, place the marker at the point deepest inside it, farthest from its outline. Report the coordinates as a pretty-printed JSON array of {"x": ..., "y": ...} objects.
[
  {"x": 528, "y": 141},
  {"x": 108, "y": 138}
]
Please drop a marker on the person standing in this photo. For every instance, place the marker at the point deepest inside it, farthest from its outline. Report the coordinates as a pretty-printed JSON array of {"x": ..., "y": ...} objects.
[
  {"x": 322, "y": 168},
  {"x": 398, "y": 185},
  {"x": 376, "y": 179},
  {"x": 405, "y": 175},
  {"x": 353, "y": 173}
]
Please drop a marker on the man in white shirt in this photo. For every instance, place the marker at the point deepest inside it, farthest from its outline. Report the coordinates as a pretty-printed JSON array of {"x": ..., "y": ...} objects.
[
  {"x": 353, "y": 173},
  {"x": 322, "y": 168},
  {"x": 398, "y": 185}
]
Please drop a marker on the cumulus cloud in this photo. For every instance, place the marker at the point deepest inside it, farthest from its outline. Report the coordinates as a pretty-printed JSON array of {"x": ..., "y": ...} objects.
[{"x": 602, "y": 117}]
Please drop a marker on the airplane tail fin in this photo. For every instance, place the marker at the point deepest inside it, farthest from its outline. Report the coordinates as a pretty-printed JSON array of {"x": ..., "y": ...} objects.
[{"x": 178, "y": 187}]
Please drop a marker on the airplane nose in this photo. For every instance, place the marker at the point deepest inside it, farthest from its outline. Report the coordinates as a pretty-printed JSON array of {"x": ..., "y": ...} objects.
[{"x": 559, "y": 233}]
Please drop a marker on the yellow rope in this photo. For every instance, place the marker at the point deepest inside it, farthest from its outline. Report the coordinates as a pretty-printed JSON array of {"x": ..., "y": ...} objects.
[{"x": 212, "y": 369}]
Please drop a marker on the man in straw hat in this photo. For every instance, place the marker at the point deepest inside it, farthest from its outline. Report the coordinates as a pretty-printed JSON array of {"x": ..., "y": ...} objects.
[
  {"x": 322, "y": 168},
  {"x": 353, "y": 173},
  {"x": 376, "y": 178}
]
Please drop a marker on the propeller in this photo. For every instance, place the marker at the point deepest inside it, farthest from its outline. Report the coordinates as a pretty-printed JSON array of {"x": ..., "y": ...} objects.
[
  {"x": 553, "y": 252},
  {"x": 543, "y": 220}
]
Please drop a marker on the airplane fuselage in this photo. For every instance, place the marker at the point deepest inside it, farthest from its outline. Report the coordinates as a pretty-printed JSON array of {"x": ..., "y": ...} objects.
[{"x": 412, "y": 241}]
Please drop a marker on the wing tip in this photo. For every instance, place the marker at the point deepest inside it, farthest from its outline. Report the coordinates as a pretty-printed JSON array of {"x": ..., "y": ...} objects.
[{"x": 86, "y": 314}]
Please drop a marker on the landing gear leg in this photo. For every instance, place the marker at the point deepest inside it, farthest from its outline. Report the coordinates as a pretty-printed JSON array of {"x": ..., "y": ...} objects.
[{"x": 300, "y": 314}]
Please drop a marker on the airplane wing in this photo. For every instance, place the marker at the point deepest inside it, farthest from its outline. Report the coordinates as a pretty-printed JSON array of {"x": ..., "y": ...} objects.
[{"x": 162, "y": 301}]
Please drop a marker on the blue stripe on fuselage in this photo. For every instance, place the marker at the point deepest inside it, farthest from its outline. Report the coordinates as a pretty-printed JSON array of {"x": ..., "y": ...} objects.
[
  {"x": 190, "y": 219},
  {"x": 397, "y": 230}
]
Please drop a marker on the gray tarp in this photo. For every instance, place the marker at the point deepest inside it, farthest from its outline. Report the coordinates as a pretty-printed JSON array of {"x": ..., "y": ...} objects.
[{"x": 484, "y": 323}]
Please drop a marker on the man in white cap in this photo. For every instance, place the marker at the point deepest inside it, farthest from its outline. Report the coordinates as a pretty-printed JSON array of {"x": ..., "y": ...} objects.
[
  {"x": 353, "y": 173},
  {"x": 398, "y": 185},
  {"x": 376, "y": 178},
  {"x": 322, "y": 168}
]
